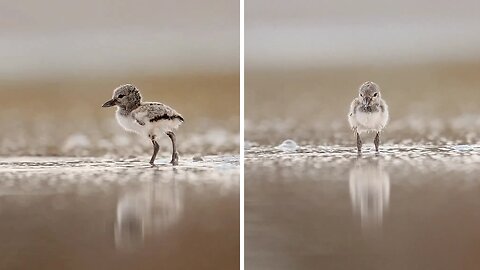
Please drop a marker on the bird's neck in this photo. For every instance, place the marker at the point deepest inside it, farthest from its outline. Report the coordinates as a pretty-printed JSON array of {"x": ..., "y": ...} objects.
[{"x": 127, "y": 109}]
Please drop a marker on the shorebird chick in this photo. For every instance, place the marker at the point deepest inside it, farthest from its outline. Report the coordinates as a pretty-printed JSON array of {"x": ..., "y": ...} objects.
[
  {"x": 368, "y": 113},
  {"x": 149, "y": 119}
]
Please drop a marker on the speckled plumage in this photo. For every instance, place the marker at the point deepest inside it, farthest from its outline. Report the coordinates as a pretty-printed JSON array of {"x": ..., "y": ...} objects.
[
  {"x": 148, "y": 119},
  {"x": 368, "y": 113},
  {"x": 155, "y": 111}
]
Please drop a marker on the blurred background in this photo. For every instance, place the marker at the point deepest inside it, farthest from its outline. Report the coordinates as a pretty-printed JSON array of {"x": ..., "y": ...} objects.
[
  {"x": 306, "y": 59},
  {"x": 60, "y": 60}
]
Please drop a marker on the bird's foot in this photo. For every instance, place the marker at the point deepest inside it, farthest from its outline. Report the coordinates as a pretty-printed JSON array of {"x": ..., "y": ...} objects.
[{"x": 174, "y": 160}]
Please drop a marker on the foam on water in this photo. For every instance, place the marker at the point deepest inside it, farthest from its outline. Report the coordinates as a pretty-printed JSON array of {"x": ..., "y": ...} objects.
[
  {"x": 287, "y": 146},
  {"x": 38, "y": 174},
  {"x": 420, "y": 156}
]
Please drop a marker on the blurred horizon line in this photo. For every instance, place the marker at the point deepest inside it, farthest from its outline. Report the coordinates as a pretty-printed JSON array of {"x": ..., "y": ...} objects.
[
  {"x": 329, "y": 45},
  {"x": 110, "y": 52}
]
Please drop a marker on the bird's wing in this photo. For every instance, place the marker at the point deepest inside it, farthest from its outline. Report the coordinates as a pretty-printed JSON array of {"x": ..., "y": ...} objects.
[
  {"x": 351, "y": 114},
  {"x": 386, "y": 115},
  {"x": 353, "y": 106},
  {"x": 153, "y": 111}
]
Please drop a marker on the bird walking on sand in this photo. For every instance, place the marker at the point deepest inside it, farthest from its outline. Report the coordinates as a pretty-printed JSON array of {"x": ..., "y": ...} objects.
[
  {"x": 149, "y": 119},
  {"x": 368, "y": 113}
]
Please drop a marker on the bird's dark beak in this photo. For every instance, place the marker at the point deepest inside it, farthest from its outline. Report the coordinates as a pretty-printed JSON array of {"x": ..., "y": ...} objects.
[
  {"x": 367, "y": 101},
  {"x": 110, "y": 103}
]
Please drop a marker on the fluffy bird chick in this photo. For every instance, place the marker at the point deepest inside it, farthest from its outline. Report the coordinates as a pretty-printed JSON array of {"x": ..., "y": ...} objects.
[
  {"x": 368, "y": 113},
  {"x": 148, "y": 119}
]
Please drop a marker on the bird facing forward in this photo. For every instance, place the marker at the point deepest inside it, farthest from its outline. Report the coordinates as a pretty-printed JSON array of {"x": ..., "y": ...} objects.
[
  {"x": 148, "y": 119},
  {"x": 368, "y": 113}
]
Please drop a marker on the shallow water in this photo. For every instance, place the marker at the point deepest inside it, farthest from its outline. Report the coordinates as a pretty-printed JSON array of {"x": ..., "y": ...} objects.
[
  {"x": 94, "y": 213},
  {"x": 413, "y": 206}
]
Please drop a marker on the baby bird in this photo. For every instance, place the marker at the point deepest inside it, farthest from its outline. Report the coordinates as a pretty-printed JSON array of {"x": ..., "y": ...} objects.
[
  {"x": 149, "y": 119},
  {"x": 368, "y": 113}
]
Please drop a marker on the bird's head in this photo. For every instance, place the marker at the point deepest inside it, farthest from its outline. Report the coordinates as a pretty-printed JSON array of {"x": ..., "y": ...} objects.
[
  {"x": 369, "y": 93},
  {"x": 124, "y": 96}
]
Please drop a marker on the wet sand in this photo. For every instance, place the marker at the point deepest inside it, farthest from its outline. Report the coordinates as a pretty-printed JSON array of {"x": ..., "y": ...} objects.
[
  {"x": 325, "y": 207},
  {"x": 104, "y": 213}
]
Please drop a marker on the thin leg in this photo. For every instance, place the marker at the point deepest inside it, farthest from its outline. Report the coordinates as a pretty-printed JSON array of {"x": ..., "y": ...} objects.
[
  {"x": 359, "y": 143},
  {"x": 156, "y": 147},
  {"x": 172, "y": 137},
  {"x": 377, "y": 141}
]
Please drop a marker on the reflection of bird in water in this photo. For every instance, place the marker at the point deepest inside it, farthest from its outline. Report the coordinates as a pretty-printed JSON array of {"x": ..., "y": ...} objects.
[
  {"x": 144, "y": 212},
  {"x": 369, "y": 191}
]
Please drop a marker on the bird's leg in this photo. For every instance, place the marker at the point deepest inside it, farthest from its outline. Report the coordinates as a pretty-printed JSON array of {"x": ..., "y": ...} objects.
[
  {"x": 172, "y": 137},
  {"x": 156, "y": 147},
  {"x": 359, "y": 143},
  {"x": 377, "y": 141}
]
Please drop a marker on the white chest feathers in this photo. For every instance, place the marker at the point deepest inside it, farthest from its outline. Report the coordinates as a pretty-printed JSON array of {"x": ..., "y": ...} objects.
[
  {"x": 371, "y": 121},
  {"x": 128, "y": 123}
]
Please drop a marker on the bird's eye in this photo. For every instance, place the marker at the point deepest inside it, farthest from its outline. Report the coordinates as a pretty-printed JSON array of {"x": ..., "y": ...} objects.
[
  {"x": 361, "y": 95},
  {"x": 121, "y": 96},
  {"x": 375, "y": 95}
]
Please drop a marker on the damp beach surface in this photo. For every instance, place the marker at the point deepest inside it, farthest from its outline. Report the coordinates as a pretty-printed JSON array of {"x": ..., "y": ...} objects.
[
  {"x": 410, "y": 207},
  {"x": 98, "y": 213}
]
